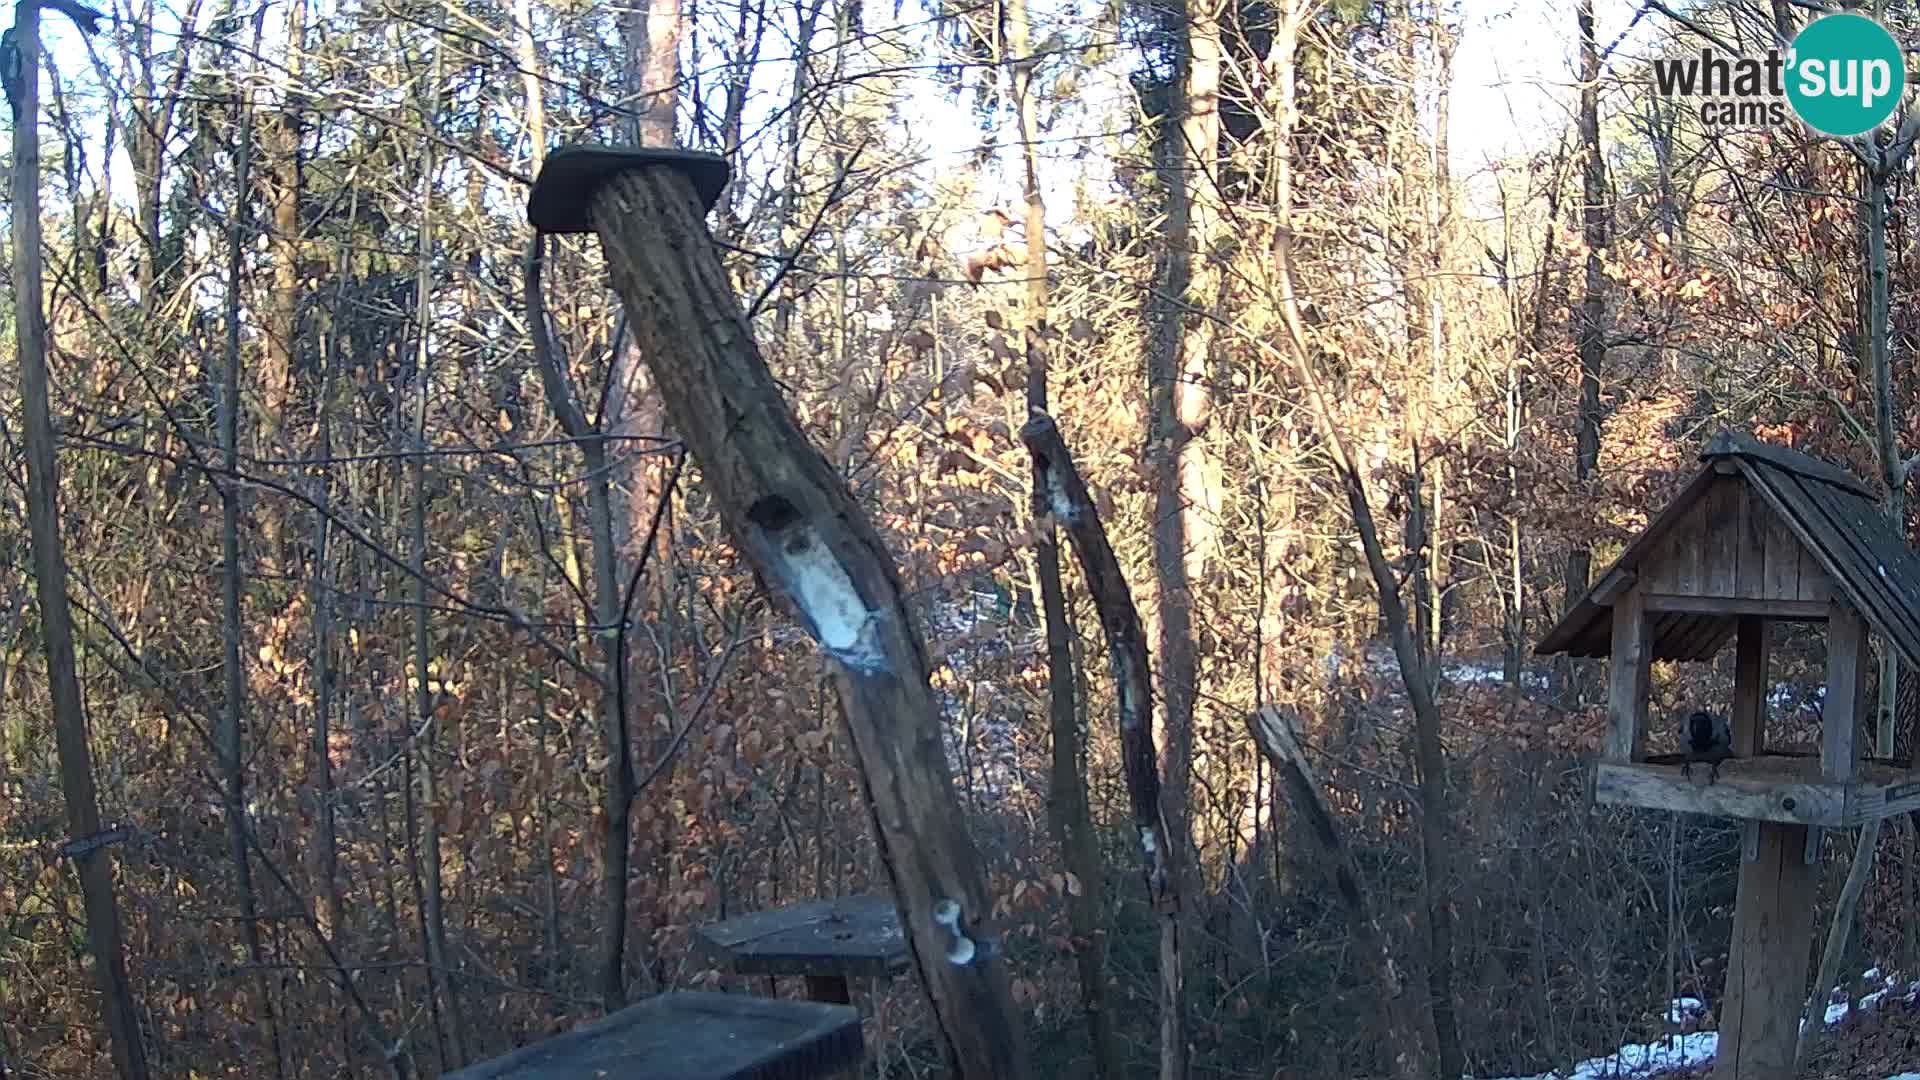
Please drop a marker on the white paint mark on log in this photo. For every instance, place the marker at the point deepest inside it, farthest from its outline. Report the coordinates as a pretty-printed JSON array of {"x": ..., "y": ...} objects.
[{"x": 1063, "y": 507}]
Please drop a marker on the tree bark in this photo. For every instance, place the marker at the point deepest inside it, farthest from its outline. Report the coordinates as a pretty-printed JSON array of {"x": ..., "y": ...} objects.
[
  {"x": 232, "y": 736},
  {"x": 793, "y": 517},
  {"x": 1067, "y": 801},
  {"x": 1071, "y": 506},
  {"x": 94, "y": 866},
  {"x": 1590, "y": 325},
  {"x": 1178, "y": 364}
]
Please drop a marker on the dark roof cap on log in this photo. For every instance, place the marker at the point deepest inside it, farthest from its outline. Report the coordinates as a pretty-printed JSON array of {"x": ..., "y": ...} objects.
[
  {"x": 1834, "y": 515},
  {"x": 563, "y": 193}
]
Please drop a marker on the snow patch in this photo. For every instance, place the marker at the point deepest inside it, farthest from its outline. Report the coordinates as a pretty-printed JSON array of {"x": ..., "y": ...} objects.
[{"x": 1642, "y": 1059}]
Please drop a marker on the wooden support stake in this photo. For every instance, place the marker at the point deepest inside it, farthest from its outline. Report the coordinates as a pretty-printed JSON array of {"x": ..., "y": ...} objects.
[
  {"x": 791, "y": 514},
  {"x": 1767, "y": 970},
  {"x": 1840, "y": 718},
  {"x": 1628, "y": 675}
]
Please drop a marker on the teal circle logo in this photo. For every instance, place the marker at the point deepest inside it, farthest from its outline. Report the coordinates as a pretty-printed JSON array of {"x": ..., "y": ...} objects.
[{"x": 1845, "y": 74}]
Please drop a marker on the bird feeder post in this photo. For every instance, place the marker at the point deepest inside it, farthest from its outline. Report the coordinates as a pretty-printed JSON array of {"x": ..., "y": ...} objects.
[
  {"x": 1846, "y": 691},
  {"x": 1767, "y": 963},
  {"x": 792, "y": 516}
]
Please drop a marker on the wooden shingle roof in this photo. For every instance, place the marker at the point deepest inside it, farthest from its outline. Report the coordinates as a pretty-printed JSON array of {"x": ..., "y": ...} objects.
[{"x": 1837, "y": 520}]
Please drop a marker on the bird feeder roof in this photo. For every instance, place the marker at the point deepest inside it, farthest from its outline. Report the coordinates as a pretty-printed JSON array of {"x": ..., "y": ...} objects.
[{"x": 1753, "y": 508}]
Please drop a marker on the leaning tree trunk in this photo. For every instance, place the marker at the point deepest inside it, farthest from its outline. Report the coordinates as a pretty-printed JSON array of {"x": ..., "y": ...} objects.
[
  {"x": 794, "y": 518},
  {"x": 93, "y": 863}
]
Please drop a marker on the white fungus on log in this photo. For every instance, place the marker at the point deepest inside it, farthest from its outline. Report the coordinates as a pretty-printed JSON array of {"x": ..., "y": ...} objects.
[
  {"x": 947, "y": 913},
  {"x": 819, "y": 586}
]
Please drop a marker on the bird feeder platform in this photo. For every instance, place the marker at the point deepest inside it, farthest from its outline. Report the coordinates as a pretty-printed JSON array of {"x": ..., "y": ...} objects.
[
  {"x": 825, "y": 941},
  {"x": 1761, "y": 534},
  {"x": 1785, "y": 788},
  {"x": 692, "y": 1036}
]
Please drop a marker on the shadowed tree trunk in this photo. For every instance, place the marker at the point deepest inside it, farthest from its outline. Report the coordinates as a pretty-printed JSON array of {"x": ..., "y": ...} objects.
[
  {"x": 94, "y": 865},
  {"x": 1589, "y": 325},
  {"x": 233, "y": 763}
]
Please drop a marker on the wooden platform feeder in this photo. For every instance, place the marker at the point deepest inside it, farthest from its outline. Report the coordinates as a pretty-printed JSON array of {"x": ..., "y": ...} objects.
[
  {"x": 1762, "y": 534},
  {"x": 692, "y": 1036},
  {"x": 826, "y": 942}
]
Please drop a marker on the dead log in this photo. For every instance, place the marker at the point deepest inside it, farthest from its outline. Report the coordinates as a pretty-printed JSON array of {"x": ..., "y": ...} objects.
[
  {"x": 1274, "y": 735},
  {"x": 1072, "y": 507},
  {"x": 791, "y": 514}
]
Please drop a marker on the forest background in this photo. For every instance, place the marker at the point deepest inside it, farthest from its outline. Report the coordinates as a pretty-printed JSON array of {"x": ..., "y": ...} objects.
[{"x": 438, "y": 713}]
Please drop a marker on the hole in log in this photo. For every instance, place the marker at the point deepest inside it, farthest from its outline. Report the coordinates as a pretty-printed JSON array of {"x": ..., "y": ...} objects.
[
  {"x": 1788, "y": 804},
  {"x": 773, "y": 513}
]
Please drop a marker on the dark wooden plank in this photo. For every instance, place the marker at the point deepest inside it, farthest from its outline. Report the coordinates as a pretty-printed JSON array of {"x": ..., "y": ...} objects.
[
  {"x": 1720, "y": 536},
  {"x": 1879, "y": 571},
  {"x": 1885, "y": 564},
  {"x": 1750, "y": 543},
  {"x": 1748, "y": 722},
  {"x": 844, "y": 936},
  {"x": 1684, "y": 544},
  {"x": 692, "y": 1036},
  {"x": 1783, "y": 610},
  {"x": 1782, "y": 555},
  {"x": 1846, "y": 691},
  {"x": 1699, "y": 637}
]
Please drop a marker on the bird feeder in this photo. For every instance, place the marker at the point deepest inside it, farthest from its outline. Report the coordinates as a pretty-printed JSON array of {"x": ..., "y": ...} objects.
[{"x": 1762, "y": 534}]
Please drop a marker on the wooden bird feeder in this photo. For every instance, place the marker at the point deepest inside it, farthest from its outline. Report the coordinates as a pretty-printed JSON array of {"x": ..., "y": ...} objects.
[
  {"x": 827, "y": 942},
  {"x": 1762, "y": 534},
  {"x": 692, "y": 1036}
]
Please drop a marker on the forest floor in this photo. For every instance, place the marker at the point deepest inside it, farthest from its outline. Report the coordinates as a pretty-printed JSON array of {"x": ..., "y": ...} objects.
[{"x": 1878, "y": 1041}]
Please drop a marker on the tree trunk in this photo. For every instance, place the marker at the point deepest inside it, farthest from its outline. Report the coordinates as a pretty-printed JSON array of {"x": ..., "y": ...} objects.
[
  {"x": 1178, "y": 365},
  {"x": 1399, "y": 1017},
  {"x": 426, "y": 725},
  {"x": 232, "y": 743},
  {"x": 1590, "y": 325},
  {"x": 94, "y": 866},
  {"x": 1429, "y": 751},
  {"x": 791, "y": 514},
  {"x": 1069, "y": 502},
  {"x": 1067, "y": 801}
]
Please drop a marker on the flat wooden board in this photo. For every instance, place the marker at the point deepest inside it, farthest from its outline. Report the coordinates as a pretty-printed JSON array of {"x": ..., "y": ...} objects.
[
  {"x": 1784, "y": 788},
  {"x": 692, "y": 1036},
  {"x": 847, "y": 936}
]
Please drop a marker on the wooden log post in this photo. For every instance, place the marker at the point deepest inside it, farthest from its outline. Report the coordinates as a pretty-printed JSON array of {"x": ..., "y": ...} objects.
[
  {"x": 1629, "y": 674},
  {"x": 1773, "y": 916},
  {"x": 791, "y": 514},
  {"x": 1767, "y": 966}
]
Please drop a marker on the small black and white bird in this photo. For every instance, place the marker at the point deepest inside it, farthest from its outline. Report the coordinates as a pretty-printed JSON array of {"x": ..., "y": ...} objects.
[{"x": 1707, "y": 740}]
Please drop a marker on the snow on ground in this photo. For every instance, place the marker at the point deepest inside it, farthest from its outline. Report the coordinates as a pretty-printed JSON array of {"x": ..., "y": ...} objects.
[
  {"x": 1642, "y": 1059},
  {"x": 1679, "y": 1052}
]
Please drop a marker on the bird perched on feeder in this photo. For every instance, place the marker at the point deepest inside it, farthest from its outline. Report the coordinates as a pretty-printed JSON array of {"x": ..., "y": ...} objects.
[{"x": 1707, "y": 740}]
